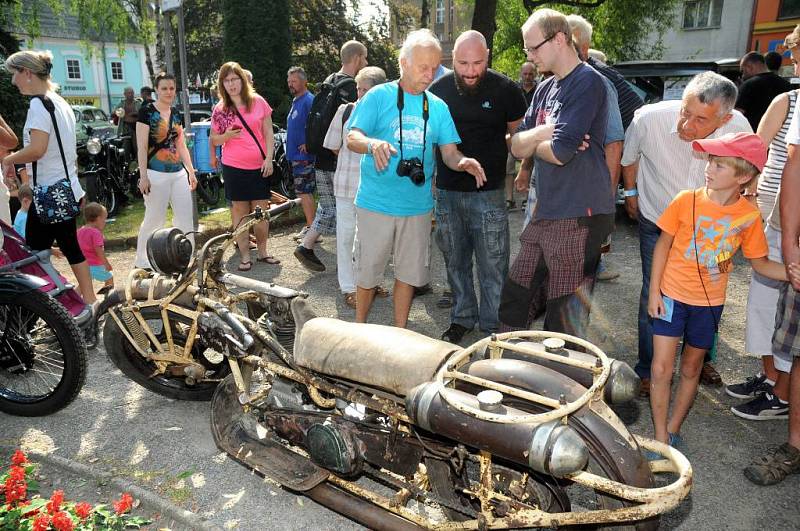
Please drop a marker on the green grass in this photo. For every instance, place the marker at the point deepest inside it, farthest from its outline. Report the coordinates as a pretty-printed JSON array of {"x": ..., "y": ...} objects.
[{"x": 129, "y": 218}]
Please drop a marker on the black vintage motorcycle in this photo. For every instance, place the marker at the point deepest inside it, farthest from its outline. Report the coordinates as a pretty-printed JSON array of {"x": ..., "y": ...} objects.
[
  {"x": 108, "y": 166},
  {"x": 283, "y": 181},
  {"x": 392, "y": 428}
]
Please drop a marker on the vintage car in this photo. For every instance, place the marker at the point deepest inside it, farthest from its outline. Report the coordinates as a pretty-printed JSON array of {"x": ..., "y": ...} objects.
[{"x": 88, "y": 116}]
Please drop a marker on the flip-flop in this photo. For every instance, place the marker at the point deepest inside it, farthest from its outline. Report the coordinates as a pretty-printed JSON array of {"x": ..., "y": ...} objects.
[
  {"x": 269, "y": 260},
  {"x": 245, "y": 266}
]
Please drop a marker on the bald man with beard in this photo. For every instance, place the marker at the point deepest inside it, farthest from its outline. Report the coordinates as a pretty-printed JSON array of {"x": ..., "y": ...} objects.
[{"x": 472, "y": 222}]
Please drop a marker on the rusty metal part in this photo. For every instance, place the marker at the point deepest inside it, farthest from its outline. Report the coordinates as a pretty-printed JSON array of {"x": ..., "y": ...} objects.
[
  {"x": 362, "y": 511},
  {"x": 450, "y": 371}
]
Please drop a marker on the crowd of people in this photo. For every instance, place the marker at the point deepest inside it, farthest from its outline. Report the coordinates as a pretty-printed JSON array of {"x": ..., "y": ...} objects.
[{"x": 387, "y": 159}]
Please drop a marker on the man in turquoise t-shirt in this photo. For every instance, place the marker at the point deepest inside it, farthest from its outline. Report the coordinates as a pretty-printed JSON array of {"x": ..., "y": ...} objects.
[{"x": 394, "y": 201}]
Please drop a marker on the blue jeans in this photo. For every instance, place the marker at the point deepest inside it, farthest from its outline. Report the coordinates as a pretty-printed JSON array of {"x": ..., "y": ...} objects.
[
  {"x": 467, "y": 224},
  {"x": 648, "y": 236}
]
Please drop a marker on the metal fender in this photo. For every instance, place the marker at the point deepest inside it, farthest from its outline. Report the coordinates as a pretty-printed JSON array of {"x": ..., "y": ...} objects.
[{"x": 19, "y": 283}]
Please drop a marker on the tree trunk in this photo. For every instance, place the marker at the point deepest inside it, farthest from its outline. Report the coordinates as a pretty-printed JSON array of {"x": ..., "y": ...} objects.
[
  {"x": 483, "y": 20},
  {"x": 424, "y": 14}
]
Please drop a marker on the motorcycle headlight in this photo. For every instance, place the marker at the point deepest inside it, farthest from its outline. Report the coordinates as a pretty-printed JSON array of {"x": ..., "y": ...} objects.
[{"x": 93, "y": 145}]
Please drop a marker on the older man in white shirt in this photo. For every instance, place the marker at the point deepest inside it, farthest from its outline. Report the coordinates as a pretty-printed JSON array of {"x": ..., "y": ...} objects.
[{"x": 658, "y": 162}]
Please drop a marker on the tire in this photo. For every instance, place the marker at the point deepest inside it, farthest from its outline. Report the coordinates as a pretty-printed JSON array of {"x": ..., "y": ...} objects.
[
  {"x": 98, "y": 190},
  {"x": 285, "y": 184},
  {"x": 142, "y": 371},
  {"x": 40, "y": 347},
  {"x": 209, "y": 189}
]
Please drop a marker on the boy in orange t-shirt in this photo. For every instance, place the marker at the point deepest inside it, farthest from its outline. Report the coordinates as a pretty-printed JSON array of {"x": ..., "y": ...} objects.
[{"x": 701, "y": 231}]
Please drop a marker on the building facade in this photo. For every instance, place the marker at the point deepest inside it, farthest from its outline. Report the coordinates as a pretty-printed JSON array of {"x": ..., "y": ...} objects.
[
  {"x": 447, "y": 19},
  {"x": 709, "y": 30},
  {"x": 96, "y": 76},
  {"x": 772, "y": 21}
]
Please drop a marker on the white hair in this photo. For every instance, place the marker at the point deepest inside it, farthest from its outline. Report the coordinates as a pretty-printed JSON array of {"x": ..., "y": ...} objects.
[
  {"x": 581, "y": 29},
  {"x": 709, "y": 87},
  {"x": 421, "y": 38}
]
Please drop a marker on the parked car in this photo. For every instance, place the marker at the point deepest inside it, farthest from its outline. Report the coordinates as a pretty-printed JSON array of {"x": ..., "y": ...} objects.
[
  {"x": 88, "y": 116},
  {"x": 665, "y": 80}
]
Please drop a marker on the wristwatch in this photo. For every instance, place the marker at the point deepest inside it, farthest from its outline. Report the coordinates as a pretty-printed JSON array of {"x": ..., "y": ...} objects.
[
  {"x": 369, "y": 147},
  {"x": 633, "y": 192}
]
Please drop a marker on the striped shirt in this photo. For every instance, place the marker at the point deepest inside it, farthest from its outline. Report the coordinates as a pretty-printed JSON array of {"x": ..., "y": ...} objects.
[
  {"x": 348, "y": 164},
  {"x": 770, "y": 181},
  {"x": 627, "y": 99},
  {"x": 667, "y": 164},
  {"x": 792, "y": 138}
]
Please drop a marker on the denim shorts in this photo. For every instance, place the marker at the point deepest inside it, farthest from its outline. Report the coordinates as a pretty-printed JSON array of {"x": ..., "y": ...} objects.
[
  {"x": 696, "y": 324},
  {"x": 305, "y": 181},
  {"x": 100, "y": 273}
]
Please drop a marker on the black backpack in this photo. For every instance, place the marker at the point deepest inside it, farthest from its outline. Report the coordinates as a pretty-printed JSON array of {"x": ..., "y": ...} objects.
[{"x": 331, "y": 95}]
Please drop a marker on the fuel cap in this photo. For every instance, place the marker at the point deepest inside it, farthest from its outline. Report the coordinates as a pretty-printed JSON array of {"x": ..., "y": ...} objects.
[{"x": 490, "y": 400}]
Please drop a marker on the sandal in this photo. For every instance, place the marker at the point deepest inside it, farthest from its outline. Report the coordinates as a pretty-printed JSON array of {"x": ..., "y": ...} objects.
[
  {"x": 710, "y": 376},
  {"x": 381, "y": 292},
  {"x": 245, "y": 266},
  {"x": 773, "y": 467},
  {"x": 350, "y": 300},
  {"x": 268, "y": 260}
]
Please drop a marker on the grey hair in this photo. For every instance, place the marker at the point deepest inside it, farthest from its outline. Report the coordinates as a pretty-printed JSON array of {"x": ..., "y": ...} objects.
[
  {"x": 372, "y": 75},
  {"x": 581, "y": 29},
  {"x": 421, "y": 38},
  {"x": 40, "y": 63},
  {"x": 709, "y": 87},
  {"x": 298, "y": 71}
]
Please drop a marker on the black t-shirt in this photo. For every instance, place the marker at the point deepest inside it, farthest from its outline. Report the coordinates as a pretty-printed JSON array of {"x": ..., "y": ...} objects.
[
  {"x": 757, "y": 92},
  {"x": 482, "y": 122},
  {"x": 326, "y": 160}
]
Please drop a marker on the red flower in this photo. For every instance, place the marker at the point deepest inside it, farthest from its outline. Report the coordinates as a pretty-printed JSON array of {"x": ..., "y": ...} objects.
[
  {"x": 17, "y": 473},
  {"x": 54, "y": 504},
  {"x": 124, "y": 504},
  {"x": 41, "y": 523},
  {"x": 83, "y": 510},
  {"x": 18, "y": 458},
  {"x": 15, "y": 489},
  {"x": 62, "y": 522}
]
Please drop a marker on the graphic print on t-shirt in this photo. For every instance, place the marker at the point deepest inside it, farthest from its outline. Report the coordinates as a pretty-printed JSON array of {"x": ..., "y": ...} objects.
[
  {"x": 717, "y": 242},
  {"x": 413, "y": 128}
]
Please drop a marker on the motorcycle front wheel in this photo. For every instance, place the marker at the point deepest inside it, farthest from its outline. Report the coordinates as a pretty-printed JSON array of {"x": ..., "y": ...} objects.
[
  {"x": 284, "y": 177},
  {"x": 209, "y": 189},
  {"x": 146, "y": 373},
  {"x": 98, "y": 190},
  {"x": 42, "y": 355}
]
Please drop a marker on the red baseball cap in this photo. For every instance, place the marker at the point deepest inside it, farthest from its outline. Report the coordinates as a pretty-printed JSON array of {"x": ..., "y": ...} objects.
[{"x": 747, "y": 146}]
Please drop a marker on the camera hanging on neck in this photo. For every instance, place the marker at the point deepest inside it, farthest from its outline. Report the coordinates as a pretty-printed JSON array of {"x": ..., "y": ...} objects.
[{"x": 412, "y": 168}]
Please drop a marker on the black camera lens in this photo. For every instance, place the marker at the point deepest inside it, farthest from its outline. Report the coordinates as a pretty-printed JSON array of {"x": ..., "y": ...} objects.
[{"x": 413, "y": 169}]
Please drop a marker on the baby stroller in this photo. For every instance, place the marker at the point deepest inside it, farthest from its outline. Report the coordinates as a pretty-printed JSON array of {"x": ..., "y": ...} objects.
[{"x": 17, "y": 256}]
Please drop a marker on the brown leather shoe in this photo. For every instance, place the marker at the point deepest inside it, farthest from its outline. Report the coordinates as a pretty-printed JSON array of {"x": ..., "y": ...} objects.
[
  {"x": 644, "y": 388},
  {"x": 710, "y": 376}
]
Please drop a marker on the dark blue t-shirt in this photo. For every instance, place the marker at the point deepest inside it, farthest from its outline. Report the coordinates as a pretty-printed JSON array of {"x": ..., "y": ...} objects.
[
  {"x": 577, "y": 106},
  {"x": 296, "y": 127}
]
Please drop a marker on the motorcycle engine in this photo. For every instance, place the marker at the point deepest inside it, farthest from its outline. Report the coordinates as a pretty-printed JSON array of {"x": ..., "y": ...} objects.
[{"x": 169, "y": 251}]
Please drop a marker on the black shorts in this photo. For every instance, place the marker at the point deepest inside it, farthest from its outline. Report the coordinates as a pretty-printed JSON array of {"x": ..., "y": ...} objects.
[
  {"x": 40, "y": 236},
  {"x": 245, "y": 185}
]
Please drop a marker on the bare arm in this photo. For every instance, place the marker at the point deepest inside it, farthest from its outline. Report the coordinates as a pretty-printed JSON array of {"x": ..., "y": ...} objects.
[
  {"x": 613, "y": 157},
  {"x": 455, "y": 160},
  {"x": 8, "y": 139},
  {"x": 186, "y": 158},
  {"x": 100, "y": 251},
  {"x": 773, "y": 118},
  {"x": 382, "y": 151},
  {"x": 629, "y": 183},
  {"x": 269, "y": 139},
  {"x": 523, "y": 179},
  {"x": 142, "y": 138},
  {"x": 524, "y": 144},
  {"x": 655, "y": 304},
  {"x": 33, "y": 151},
  {"x": 790, "y": 214},
  {"x": 769, "y": 268}
]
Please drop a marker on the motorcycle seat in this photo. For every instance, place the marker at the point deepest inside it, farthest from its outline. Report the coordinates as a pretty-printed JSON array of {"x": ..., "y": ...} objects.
[{"x": 385, "y": 357}]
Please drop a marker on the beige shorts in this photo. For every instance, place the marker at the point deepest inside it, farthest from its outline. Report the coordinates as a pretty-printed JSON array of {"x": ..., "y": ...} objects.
[
  {"x": 378, "y": 236},
  {"x": 511, "y": 165}
]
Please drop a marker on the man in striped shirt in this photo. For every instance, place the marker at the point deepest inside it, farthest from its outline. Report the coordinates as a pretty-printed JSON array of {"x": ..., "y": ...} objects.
[{"x": 658, "y": 162}]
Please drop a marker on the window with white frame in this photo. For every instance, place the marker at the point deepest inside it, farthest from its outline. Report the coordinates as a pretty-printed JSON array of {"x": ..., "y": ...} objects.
[
  {"x": 74, "y": 69},
  {"x": 440, "y": 11},
  {"x": 702, "y": 14},
  {"x": 117, "y": 73}
]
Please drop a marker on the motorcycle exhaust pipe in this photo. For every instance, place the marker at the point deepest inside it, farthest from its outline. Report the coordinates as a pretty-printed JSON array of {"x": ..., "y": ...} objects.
[
  {"x": 622, "y": 385},
  {"x": 550, "y": 448}
]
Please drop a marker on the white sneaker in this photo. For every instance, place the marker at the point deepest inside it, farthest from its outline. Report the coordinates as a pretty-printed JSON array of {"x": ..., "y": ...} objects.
[{"x": 300, "y": 235}]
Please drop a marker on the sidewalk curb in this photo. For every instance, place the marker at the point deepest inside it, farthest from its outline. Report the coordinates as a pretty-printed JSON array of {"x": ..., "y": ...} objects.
[
  {"x": 286, "y": 220},
  {"x": 184, "y": 517}
]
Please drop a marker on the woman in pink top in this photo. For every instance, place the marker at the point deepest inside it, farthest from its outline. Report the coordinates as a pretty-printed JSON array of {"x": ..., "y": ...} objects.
[{"x": 242, "y": 123}]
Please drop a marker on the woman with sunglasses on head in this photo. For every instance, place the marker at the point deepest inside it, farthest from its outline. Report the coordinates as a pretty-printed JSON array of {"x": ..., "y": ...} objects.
[
  {"x": 242, "y": 123},
  {"x": 166, "y": 174}
]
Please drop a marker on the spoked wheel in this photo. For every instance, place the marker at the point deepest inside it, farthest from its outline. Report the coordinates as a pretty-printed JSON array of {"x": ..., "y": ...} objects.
[
  {"x": 98, "y": 190},
  {"x": 283, "y": 173},
  {"x": 209, "y": 189},
  {"x": 173, "y": 381},
  {"x": 42, "y": 355}
]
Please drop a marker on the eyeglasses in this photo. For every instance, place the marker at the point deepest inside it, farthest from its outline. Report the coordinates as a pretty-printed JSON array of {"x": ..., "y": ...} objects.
[{"x": 536, "y": 48}]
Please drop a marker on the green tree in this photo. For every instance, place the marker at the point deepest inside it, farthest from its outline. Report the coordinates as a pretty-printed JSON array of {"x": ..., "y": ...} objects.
[
  {"x": 256, "y": 35},
  {"x": 204, "y": 42},
  {"x": 13, "y": 106}
]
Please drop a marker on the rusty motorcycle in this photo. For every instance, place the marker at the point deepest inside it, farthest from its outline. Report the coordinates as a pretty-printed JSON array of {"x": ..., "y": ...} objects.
[{"x": 389, "y": 427}]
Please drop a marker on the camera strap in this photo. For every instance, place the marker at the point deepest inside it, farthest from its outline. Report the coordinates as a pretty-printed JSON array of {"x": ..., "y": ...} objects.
[{"x": 425, "y": 114}]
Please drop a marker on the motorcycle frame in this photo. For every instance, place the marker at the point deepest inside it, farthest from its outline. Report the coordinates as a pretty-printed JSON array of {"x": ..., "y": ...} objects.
[{"x": 649, "y": 502}]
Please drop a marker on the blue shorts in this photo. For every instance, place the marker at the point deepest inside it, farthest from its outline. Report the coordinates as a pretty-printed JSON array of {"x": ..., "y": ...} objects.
[
  {"x": 697, "y": 325},
  {"x": 100, "y": 273},
  {"x": 305, "y": 181}
]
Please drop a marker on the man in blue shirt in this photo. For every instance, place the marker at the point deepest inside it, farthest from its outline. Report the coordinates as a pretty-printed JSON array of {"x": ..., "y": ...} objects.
[
  {"x": 302, "y": 161},
  {"x": 396, "y": 126}
]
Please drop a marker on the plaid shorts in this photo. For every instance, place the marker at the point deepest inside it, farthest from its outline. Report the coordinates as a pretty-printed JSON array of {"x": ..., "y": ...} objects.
[
  {"x": 303, "y": 173},
  {"x": 786, "y": 339},
  {"x": 325, "y": 218}
]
